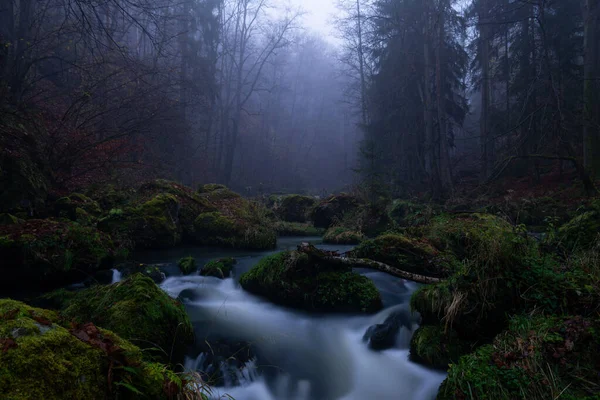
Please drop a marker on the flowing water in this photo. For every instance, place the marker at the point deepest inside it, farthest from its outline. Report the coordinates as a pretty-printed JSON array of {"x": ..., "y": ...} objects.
[{"x": 296, "y": 355}]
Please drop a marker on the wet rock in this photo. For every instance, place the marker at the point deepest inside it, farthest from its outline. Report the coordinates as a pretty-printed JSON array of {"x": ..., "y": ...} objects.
[{"x": 383, "y": 336}]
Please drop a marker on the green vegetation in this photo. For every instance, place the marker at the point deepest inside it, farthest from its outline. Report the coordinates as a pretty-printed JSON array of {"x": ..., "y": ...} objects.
[
  {"x": 152, "y": 224},
  {"x": 220, "y": 268},
  {"x": 544, "y": 357},
  {"x": 298, "y": 280},
  {"x": 9, "y": 219},
  {"x": 239, "y": 223},
  {"x": 436, "y": 346},
  {"x": 581, "y": 232},
  {"x": 139, "y": 311},
  {"x": 77, "y": 207},
  {"x": 43, "y": 359},
  {"x": 341, "y": 235},
  {"x": 187, "y": 265},
  {"x": 294, "y": 207},
  {"x": 297, "y": 229},
  {"x": 332, "y": 209},
  {"x": 51, "y": 253},
  {"x": 406, "y": 253}
]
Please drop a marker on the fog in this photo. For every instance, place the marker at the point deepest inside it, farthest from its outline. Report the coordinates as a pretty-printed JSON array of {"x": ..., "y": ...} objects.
[{"x": 297, "y": 96}]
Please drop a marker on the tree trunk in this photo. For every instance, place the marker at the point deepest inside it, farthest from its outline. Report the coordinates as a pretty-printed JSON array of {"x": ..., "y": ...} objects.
[
  {"x": 333, "y": 258},
  {"x": 591, "y": 89},
  {"x": 445, "y": 169},
  {"x": 363, "y": 87},
  {"x": 486, "y": 139}
]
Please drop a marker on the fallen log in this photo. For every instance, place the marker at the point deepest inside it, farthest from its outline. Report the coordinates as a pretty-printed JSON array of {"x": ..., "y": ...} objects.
[{"x": 334, "y": 258}]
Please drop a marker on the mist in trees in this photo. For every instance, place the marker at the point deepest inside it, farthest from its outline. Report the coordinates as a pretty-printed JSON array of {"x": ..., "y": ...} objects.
[{"x": 417, "y": 96}]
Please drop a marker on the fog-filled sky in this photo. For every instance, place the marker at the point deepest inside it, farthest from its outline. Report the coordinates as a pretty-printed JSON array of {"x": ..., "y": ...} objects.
[{"x": 318, "y": 16}]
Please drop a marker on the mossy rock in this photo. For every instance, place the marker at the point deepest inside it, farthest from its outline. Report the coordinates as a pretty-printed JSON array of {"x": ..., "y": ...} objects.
[
  {"x": 152, "y": 224},
  {"x": 295, "y": 207},
  {"x": 536, "y": 358},
  {"x": 298, "y": 280},
  {"x": 297, "y": 229},
  {"x": 220, "y": 268},
  {"x": 43, "y": 359},
  {"x": 211, "y": 187},
  {"x": 489, "y": 244},
  {"x": 415, "y": 255},
  {"x": 190, "y": 202},
  {"x": 333, "y": 209},
  {"x": 77, "y": 207},
  {"x": 405, "y": 213},
  {"x": 341, "y": 235},
  {"x": 9, "y": 219},
  {"x": 110, "y": 196},
  {"x": 581, "y": 232},
  {"x": 218, "y": 229},
  {"x": 49, "y": 253},
  {"x": 187, "y": 265},
  {"x": 139, "y": 311},
  {"x": 437, "y": 347}
]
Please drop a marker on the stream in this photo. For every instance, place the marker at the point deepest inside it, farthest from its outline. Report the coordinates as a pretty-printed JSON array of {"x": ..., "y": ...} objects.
[{"x": 295, "y": 355}]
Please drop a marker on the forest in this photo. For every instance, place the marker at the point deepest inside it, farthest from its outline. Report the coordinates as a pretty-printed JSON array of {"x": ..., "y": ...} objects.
[{"x": 300, "y": 199}]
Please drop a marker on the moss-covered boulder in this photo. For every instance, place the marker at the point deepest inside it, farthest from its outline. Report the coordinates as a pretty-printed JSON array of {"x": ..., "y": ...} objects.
[
  {"x": 410, "y": 254},
  {"x": 496, "y": 270},
  {"x": 406, "y": 213},
  {"x": 238, "y": 223},
  {"x": 294, "y": 207},
  {"x": 581, "y": 232},
  {"x": 79, "y": 208},
  {"x": 110, "y": 196},
  {"x": 333, "y": 209},
  {"x": 211, "y": 187},
  {"x": 49, "y": 253},
  {"x": 187, "y": 265},
  {"x": 436, "y": 346},
  {"x": 297, "y": 229},
  {"x": 152, "y": 224},
  {"x": 536, "y": 358},
  {"x": 298, "y": 280},
  {"x": 191, "y": 204},
  {"x": 139, "y": 311},
  {"x": 341, "y": 235},
  {"x": 220, "y": 268},
  {"x": 41, "y": 358}
]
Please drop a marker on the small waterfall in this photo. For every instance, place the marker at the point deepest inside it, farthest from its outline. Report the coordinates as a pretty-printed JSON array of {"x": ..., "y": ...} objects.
[{"x": 116, "y": 276}]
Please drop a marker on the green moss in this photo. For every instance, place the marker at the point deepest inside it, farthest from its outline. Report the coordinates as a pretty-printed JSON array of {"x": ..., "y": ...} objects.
[
  {"x": 341, "y": 235},
  {"x": 52, "y": 253},
  {"x": 406, "y": 253},
  {"x": 137, "y": 310},
  {"x": 233, "y": 231},
  {"x": 220, "y": 268},
  {"x": 406, "y": 213},
  {"x": 187, "y": 265},
  {"x": 580, "y": 232},
  {"x": 437, "y": 347},
  {"x": 297, "y": 229},
  {"x": 152, "y": 224},
  {"x": 77, "y": 207},
  {"x": 332, "y": 209},
  {"x": 537, "y": 358},
  {"x": 191, "y": 204},
  {"x": 294, "y": 207},
  {"x": 42, "y": 359},
  {"x": 297, "y": 280},
  {"x": 211, "y": 187}
]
